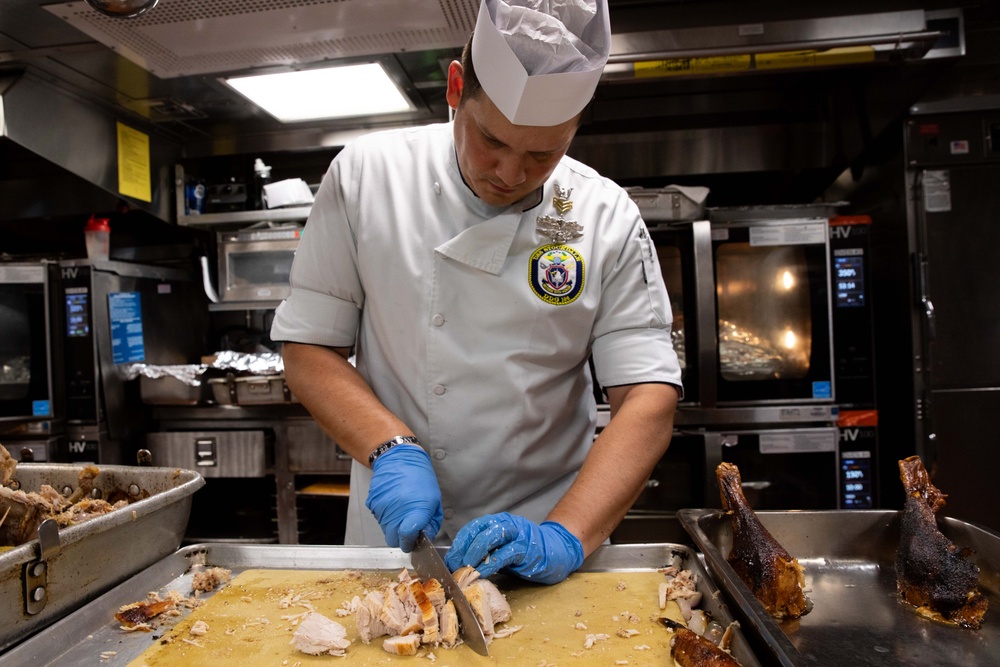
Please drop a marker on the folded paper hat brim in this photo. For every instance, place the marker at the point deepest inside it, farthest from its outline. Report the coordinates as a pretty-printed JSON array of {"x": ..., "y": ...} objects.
[{"x": 538, "y": 100}]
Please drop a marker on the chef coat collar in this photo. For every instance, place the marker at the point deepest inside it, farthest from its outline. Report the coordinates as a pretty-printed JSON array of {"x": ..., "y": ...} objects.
[
  {"x": 526, "y": 203},
  {"x": 484, "y": 245}
]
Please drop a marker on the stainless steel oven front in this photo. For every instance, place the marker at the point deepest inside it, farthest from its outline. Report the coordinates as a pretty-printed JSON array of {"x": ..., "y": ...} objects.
[{"x": 781, "y": 468}]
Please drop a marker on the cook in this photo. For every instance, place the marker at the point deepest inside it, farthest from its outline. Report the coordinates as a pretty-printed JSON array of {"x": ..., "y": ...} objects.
[{"x": 473, "y": 269}]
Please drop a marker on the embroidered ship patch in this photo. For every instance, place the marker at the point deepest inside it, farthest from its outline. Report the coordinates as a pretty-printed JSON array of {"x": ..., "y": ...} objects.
[{"x": 556, "y": 273}]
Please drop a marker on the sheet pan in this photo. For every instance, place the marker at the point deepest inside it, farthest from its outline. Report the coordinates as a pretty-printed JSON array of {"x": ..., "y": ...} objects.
[
  {"x": 99, "y": 553},
  {"x": 857, "y": 618},
  {"x": 83, "y": 636}
]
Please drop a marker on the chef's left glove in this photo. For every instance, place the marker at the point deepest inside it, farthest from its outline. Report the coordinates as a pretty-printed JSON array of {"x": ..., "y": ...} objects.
[
  {"x": 546, "y": 552},
  {"x": 404, "y": 496}
]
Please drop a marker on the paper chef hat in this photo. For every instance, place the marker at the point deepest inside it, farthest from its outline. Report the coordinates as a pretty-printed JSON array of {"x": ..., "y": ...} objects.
[{"x": 539, "y": 61}]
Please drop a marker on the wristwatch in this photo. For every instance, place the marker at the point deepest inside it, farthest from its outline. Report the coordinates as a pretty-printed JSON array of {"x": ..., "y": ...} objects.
[{"x": 389, "y": 444}]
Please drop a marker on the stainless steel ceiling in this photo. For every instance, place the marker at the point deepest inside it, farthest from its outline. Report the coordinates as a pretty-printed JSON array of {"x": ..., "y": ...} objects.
[{"x": 790, "y": 122}]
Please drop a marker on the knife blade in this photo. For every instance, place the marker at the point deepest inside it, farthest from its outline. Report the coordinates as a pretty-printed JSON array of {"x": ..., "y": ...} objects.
[{"x": 429, "y": 565}]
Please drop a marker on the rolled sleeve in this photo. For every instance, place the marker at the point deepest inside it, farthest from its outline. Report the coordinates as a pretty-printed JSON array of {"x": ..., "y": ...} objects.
[
  {"x": 636, "y": 356},
  {"x": 317, "y": 319},
  {"x": 324, "y": 306},
  {"x": 632, "y": 342}
]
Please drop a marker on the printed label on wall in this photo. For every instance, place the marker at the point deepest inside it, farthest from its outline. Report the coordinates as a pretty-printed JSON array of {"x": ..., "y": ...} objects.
[
  {"x": 937, "y": 191},
  {"x": 797, "y": 443},
  {"x": 806, "y": 233},
  {"x": 133, "y": 164}
]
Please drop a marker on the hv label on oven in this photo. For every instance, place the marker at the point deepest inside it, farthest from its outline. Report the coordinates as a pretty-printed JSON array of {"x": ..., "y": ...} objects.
[
  {"x": 797, "y": 443},
  {"x": 788, "y": 234},
  {"x": 125, "y": 313}
]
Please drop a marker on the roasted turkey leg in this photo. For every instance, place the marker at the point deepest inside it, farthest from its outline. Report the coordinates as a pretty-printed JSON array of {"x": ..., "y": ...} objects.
[
  {"x": 933, "y": 574},
  {"x": 775, "y": 578},
  {"x": 690, "y": 650}
]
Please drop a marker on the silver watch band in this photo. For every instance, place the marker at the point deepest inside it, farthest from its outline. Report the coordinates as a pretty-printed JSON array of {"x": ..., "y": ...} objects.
[{"x": 389, "y": 444}]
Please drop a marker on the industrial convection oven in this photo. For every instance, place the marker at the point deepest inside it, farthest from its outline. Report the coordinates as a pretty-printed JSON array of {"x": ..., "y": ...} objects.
[{"x": 752, "y": 300}]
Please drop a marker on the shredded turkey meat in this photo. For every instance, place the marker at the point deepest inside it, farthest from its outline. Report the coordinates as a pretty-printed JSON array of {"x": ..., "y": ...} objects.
[{"x": 24, "y": 511}]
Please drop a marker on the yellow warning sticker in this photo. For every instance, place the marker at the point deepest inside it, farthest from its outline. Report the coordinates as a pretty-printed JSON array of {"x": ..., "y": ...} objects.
[
  {"x": 683, "y": 66},
  {"x": 807, "y": 58}
]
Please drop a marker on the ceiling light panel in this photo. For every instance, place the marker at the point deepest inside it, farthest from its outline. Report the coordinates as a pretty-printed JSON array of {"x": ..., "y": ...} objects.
[
  {"x": 187, "y": 37},
  {"x": 333, "y": 92}
]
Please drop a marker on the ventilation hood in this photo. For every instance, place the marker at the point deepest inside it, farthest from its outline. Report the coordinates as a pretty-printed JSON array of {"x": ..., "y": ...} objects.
[
  {"x": 58, "y": 155},
  {"x": 693, "y": 86},
  {"x": 190, "y": 37}
]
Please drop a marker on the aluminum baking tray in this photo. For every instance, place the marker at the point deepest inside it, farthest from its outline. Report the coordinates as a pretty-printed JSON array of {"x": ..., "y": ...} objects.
[
  {"x": 94, "y": 555},
  {"x": 91, "y": 631},
  {"x": 857, "y": 618}
]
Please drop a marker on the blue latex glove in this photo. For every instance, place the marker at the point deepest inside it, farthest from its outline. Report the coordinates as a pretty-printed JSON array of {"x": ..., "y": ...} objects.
[
  {"x": 546, "y": 552},
  {"x": 404, "y": 496}
]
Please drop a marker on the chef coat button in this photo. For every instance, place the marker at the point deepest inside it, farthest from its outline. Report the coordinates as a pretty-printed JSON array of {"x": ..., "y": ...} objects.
[
  {"x": 439, "y": 454},
  {"x": 439, "y": 389},
  {"x": 437, "y": 188},
  {"x": 438, "y": 319},
  {"x": 449, "y": 513}
]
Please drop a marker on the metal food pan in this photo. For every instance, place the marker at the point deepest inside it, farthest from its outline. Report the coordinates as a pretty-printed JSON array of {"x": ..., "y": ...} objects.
[
  {"x": 92, "y": 631},
  {"x": 251, "y": 390},
  {"x": 94, "y": 555},
  {"x": 857, "y": 618}
]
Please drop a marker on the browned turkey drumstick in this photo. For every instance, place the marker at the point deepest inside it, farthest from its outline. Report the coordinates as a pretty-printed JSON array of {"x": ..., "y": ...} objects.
[
  {"x": 933, "y": 574},
  {"x": 775, "y": 578}
]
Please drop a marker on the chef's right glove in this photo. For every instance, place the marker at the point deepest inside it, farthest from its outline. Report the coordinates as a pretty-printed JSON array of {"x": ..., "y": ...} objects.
[
  {"x": 545, "y": 552},
  {"x": 404, "y": 496}
]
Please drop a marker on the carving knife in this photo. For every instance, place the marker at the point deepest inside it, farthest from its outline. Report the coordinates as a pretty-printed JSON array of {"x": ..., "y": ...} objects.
[{"x": 429, "y": 565}]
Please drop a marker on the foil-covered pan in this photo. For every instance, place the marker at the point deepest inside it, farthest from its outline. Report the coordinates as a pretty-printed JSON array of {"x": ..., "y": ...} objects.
[
  {"x": 90, "y": 557},
  {"x": 91, "y": 633},
  {"x": 857, "y": 618}
]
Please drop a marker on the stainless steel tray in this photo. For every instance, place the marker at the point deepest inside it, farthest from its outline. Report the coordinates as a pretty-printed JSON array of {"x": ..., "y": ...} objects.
[
  {"x": 94, "y": 555},
  {"x": 857, "y": 618},
  {"x": 81, "y": 637}
]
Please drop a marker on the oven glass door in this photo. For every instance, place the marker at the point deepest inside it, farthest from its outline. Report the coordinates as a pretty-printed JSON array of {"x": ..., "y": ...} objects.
[
  {"x": 786, "y": 469},
  {"x": 773, "y": 305},
  {"x": 675, "y": 252},
  {"x": 25, "y": 359},
  {"x": 680, "y": 479}
]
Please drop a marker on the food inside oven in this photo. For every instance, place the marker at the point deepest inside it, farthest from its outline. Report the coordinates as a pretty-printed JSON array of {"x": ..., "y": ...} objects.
[{"x": 764, "y": 310}]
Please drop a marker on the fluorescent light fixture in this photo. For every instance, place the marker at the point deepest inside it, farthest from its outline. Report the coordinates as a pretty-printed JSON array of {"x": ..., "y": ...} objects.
[{"x": 332, "y": 92}]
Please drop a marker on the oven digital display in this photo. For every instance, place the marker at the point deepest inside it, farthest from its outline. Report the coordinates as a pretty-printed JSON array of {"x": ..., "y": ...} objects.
[
  {"x": 856, "y": 480},
  {"x": 77, "y": 315},
  {"x": 849, "y": 280}
]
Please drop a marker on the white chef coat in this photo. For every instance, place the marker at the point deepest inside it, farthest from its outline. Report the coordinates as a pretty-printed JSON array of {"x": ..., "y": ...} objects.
[{"x": 443, "y": 299}]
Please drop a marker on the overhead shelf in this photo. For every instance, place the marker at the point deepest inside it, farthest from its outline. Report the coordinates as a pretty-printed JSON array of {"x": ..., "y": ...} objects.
[
  {"x": 291, "y": 214},
  {"x": 233, "y": 218},
  {"x": 243, "y": 305}
]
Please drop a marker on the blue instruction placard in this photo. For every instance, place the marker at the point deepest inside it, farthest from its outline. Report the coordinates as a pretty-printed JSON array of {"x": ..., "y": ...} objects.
[{"x": 125, "y": 313}]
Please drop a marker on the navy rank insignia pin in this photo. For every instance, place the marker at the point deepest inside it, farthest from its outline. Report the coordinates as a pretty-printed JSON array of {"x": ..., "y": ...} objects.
[{"x": 560, "y": 230}]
